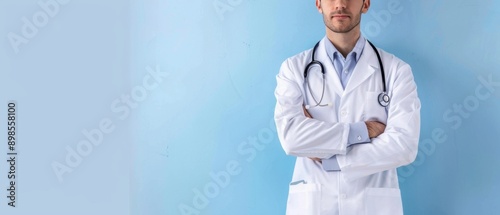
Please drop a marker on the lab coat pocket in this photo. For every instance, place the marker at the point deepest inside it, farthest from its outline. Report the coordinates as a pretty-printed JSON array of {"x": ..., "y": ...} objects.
[
  {"x": 383, "y": 201},
  {"x": 372, "y": 110},
  {"x": 304, "y": 199}
]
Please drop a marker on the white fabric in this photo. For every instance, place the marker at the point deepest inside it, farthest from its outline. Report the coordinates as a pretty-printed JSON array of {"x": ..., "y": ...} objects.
[{"x": 367, "y": 182}]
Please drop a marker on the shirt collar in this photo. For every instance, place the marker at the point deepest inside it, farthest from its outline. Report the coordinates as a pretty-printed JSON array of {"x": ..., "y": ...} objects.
[{"x": 356, "y": 51}]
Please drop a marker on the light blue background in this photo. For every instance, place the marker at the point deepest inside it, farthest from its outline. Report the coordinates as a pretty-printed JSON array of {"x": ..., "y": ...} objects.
[
  {"x": 218, "y": 98},
  {"x": 64, "y": 80}
]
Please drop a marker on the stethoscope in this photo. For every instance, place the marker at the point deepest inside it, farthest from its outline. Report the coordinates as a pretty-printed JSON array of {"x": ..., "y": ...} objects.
[{"x": 383, "y": 98}]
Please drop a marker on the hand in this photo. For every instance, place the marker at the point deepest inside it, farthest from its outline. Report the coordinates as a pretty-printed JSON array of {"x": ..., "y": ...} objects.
[
  {"x": 374, "y": 128},
  {"x": 316, "y": 159},
  {"x": 308, "y": 115}
]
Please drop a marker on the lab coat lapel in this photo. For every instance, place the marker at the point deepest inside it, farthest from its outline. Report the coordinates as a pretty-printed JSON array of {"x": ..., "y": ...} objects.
[
  {"x": 366, "y": 66},
  {"x": 332, "y": 78}
]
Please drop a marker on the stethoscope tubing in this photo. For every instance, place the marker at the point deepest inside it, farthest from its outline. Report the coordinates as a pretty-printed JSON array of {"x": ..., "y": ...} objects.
[{"x": 383, "y": 98}]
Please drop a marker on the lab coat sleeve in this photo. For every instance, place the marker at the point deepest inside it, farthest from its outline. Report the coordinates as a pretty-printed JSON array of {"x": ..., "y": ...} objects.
[
  {"x": 301, "y": 136},
  {"x": 398, "y": 145},
  {"x": 358, "y": 133}
]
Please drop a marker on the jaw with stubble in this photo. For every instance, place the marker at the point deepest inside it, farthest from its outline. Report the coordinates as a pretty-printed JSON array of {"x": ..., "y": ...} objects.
[{"x": 341, "y": 21}]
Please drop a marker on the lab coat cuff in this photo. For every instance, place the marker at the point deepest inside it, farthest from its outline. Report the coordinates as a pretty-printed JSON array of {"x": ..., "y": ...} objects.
[
  {"x": 358, "y": 133},
  {"x": 331, "y": 164}
]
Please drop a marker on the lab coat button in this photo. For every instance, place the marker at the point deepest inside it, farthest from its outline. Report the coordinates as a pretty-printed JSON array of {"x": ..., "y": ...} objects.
[
  {"x": 359, "y": 137},
  {"x": 344, "y": 113},
  {"x": 343, "y": 196}
]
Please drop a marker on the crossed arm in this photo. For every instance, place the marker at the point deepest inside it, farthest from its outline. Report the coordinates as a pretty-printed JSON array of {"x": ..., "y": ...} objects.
[
  {"x": 392, "y": 145},
  {"x": 374, "y": 129}
]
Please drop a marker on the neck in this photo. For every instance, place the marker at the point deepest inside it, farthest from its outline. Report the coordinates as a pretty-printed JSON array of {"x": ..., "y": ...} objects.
[{"x": 344, "y": 42}]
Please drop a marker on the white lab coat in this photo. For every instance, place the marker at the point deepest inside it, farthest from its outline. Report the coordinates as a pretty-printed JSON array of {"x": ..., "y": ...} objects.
[{"x": 367, "y": 183}]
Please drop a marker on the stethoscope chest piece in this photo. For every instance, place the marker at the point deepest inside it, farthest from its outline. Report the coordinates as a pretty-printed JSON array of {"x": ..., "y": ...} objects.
[{"x": 384, "y": 99}]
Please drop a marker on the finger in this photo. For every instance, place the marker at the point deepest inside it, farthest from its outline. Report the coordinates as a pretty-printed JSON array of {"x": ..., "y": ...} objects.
[
  {"x": 306, "y": 113},
  {"x": 316, "y": 159}
]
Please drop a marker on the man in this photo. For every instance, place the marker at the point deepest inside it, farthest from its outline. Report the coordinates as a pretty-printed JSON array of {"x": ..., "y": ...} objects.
[{"x": 351, "y": 127}]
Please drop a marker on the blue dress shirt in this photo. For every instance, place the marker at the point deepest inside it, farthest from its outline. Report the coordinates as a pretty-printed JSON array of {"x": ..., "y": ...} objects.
[{"x": 358, "y": 133}]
